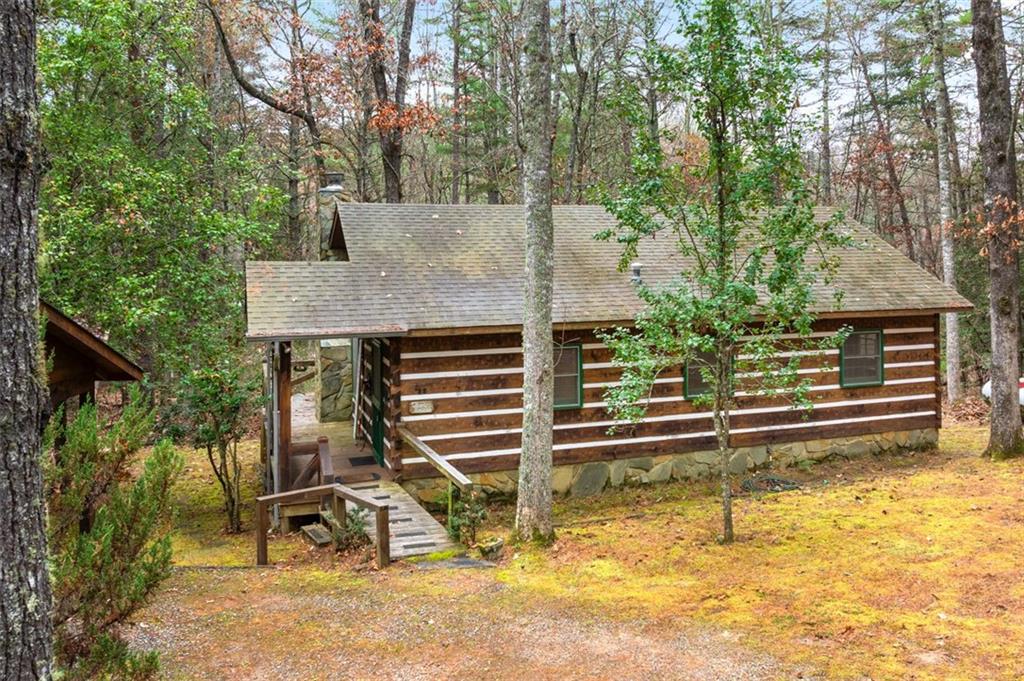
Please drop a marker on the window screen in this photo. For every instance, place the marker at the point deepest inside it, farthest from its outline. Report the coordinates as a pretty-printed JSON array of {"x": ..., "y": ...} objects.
[
  {"x": 695, "y": 383},
  {"x": 861, "y": 361},
  {"x": 568, "y": 377}
]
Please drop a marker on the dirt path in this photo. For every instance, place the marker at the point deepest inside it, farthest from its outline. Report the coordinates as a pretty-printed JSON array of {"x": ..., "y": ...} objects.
[{"x": 307, "y": 623}]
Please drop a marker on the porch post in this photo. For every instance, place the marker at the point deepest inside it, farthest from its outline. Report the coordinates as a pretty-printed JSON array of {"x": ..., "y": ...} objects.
[{"x": 284, "y": 408}]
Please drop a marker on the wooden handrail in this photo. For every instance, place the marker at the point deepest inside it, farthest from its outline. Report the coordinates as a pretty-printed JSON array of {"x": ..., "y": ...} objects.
[
  {"x": 311, "y": 468},
  {"x": 457, "y": 477},
  {"x": 336, "y": 491},
  {"x": 326, "y": 463},
  {"x": 320, "y": 464}
]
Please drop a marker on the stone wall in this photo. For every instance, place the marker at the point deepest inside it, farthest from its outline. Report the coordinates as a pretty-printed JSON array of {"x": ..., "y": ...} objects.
[
  {"x": 334, "y": 380},
  {"x": 590, "y": 478}
]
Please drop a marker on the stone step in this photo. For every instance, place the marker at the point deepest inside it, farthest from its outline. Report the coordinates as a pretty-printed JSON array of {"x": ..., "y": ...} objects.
[{"x": 317, "y": 534}]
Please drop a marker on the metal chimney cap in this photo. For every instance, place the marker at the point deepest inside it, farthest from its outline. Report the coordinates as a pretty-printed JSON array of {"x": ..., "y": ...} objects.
[
  {"x": 333, "y": 182},
  {"x": 634, "y": 272}
]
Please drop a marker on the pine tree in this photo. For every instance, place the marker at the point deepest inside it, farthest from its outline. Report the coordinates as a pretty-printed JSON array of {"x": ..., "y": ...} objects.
[{"x": 109, "y": 536}]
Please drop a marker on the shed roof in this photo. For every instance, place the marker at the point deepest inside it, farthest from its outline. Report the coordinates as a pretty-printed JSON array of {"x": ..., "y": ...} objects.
[
  {"x": 108, "y": 363},
  {"x": 432, "y": 267}
]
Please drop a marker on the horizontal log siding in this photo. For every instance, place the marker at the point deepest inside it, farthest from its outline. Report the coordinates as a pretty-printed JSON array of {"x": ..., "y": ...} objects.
[{"x": 475, "y": 385}]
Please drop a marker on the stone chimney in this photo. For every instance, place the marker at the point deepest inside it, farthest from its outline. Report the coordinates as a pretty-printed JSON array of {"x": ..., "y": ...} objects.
[
  {"x": 333, "y": 356},
  {"x": 333, "y": 191}
]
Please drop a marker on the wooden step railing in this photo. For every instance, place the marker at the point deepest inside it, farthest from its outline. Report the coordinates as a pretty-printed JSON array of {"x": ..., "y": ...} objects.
[
  {"x": 454, "y": 475},
  {"x": 337, "y": 495},
  {"x": 443, "y": 466}
]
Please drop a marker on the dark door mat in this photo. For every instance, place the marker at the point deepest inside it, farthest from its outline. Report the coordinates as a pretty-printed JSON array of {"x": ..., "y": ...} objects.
[
  {"x": 359, "y": 478},
  {"x": 357, "y": 461}
]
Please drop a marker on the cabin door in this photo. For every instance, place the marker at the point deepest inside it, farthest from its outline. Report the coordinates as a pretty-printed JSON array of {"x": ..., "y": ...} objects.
[{"x": 377, "y": 400}]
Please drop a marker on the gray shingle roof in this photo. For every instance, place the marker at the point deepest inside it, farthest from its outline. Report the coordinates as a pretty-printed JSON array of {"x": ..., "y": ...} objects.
[{"x": 419, "y": 267}]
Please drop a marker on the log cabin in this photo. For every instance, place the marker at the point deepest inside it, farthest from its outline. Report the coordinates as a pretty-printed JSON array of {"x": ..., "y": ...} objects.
[{"x": 431, "y": 298}]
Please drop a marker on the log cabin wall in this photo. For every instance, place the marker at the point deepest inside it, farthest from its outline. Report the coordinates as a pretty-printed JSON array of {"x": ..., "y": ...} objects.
[{"x": 462, "y": 394}]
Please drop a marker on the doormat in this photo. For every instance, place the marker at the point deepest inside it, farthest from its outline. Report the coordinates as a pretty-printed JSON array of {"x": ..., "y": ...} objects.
[{"x": 357, "y": 461}]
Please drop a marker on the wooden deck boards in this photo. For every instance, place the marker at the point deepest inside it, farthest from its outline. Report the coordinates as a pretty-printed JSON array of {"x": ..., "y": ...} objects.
[{"x": 414, "y": 532}]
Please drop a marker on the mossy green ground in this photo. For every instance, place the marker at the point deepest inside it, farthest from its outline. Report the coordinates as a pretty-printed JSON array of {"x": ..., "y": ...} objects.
[{"x": 886, "y": 568}]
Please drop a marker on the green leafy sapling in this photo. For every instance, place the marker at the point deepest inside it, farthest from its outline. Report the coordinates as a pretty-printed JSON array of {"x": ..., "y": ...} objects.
[
  {"x": 732, "y": 200},
  {"x": 218, "y": 400}
]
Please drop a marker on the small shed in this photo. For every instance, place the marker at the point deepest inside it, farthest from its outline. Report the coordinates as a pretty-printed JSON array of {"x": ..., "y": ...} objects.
[{"x": 80, "y": 358}]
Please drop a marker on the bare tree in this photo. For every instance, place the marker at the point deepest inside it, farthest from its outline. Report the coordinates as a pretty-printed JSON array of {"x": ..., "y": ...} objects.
[
  {"x": 25, "y": 600},
  {"x": 1002, "y": 230},
  {"x": 391, "y": 130},
  {"x": 303, "y": 111},
  {"x": 885, "y": 140},
  {"x": 533, "y": 507}
]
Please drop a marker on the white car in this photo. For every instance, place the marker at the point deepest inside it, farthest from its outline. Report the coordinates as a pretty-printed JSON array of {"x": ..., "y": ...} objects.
[{"x": 986, "y": 391}]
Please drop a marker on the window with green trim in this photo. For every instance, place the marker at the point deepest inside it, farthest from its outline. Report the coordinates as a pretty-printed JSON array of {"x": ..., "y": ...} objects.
[
  {"x": 693, "y": 379},
  {"x": 860, "y": 359},
  {"x": 568, "y": 376}
]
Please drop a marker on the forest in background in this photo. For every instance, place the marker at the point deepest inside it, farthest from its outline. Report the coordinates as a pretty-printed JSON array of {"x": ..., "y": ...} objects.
[{"x": 183, "y": 138}]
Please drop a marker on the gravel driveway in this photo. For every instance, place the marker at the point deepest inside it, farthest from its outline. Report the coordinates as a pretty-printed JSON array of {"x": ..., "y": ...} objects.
[{"x": 309, "y": 623}]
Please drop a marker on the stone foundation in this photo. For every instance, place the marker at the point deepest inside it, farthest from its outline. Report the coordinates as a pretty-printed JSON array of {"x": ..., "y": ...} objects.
[
  {"x": 334, "y": 381},
  {"x": 590, "y": 478}
]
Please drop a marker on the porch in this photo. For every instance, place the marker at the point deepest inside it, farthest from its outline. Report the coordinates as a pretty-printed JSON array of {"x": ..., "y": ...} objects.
[
  {"x": 412, "y": 532},
  {"x": 320, "y": 471}
]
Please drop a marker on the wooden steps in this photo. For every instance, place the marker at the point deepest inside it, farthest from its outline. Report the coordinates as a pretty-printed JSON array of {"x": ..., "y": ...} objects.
[{"x": 414, "y": 532}]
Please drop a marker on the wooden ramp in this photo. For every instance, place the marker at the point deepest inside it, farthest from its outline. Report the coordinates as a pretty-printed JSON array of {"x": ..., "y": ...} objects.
[{"x": 414, "y": 532}]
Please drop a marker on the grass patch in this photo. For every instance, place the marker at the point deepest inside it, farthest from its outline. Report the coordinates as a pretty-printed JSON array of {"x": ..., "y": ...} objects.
[
  {"x": 915, "y": 568},
  {"x": 882, "y": 567},
  {"x": 199, "y": 537}
]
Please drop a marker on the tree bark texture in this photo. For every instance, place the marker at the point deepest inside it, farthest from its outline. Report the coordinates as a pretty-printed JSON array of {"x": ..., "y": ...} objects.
[
  {"x": 826, "y": 123},
  {"x": 456, "y": 131},
  {"x": 533, "y": 508},
  {"x": 723, "y": 379},
  {"x": 999, "y": 167},
  {"x": 24, "y": 578},
  {"x": 942, "y": 136}
]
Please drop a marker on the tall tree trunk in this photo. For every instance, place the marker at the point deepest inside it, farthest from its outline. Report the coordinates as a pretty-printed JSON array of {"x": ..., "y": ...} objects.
[
  {"x": 582, "y": 76},
  {"x": 456, "y": 131},
  {"x": 942, "y": 136},
  {"x": 958, "y": 189},
  {"x": 999, "y": 166},
  {"x": 888, "y": 155},
  {"x": 650, "y": 35},
  {"x": 533, "y": 507},
  {"x": 826, "y": 128},
  {"x": 25, "y": 600},
  {"x": 392, "y": 135},
  {"x": 295, "y": 240},
  {"x": 364, "y": 183},
  {"x": 723, "y": 381}
]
